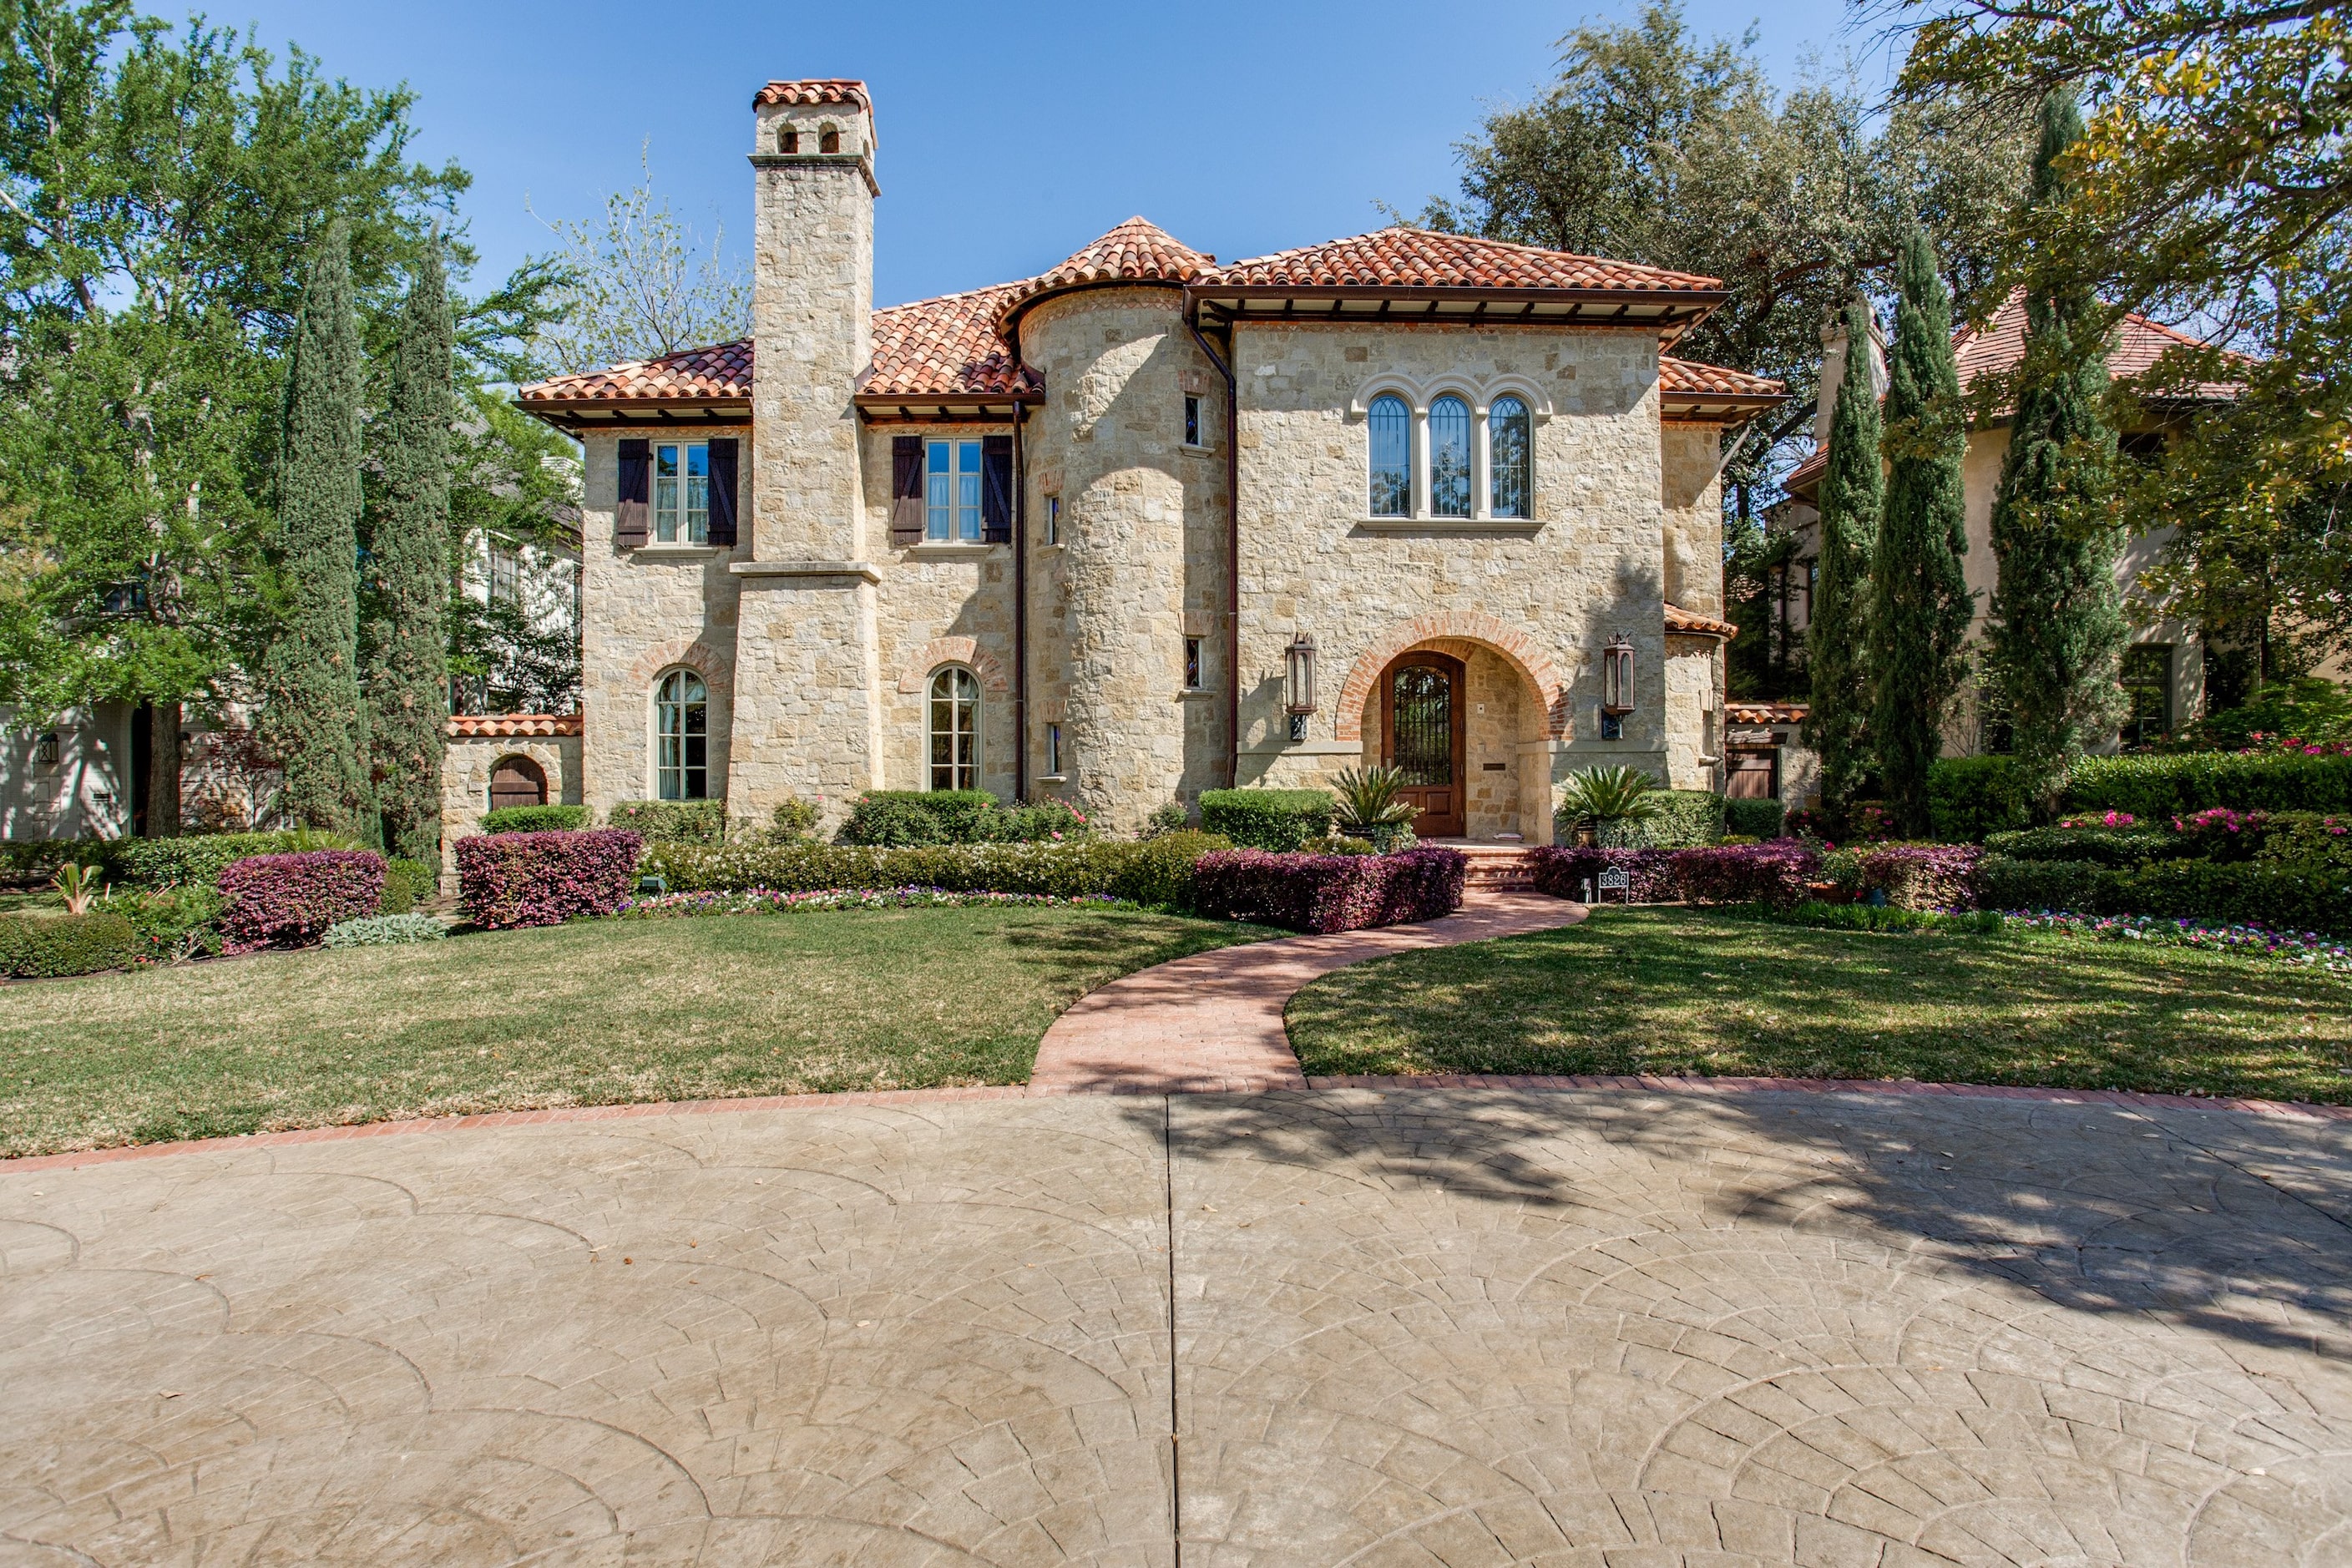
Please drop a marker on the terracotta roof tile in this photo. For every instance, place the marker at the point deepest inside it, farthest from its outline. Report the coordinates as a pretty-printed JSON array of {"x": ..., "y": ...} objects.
[
  {"x": 2139, "y": 344},
  {"x": 722, "y": 371},
  {"x": 464, "y": 726},
  {"x": 1689, "y": 376},
  {"x": 1738, "y": 712},
  {"x": 1807, "y": 473},
  {"x": 946, "y": 346},
  {"x": 1406, "y": 257},
  {"x": 1136, "y": 251},
  {"x": 1683, "y": 623},
  {"x": 823, "y": 89}
]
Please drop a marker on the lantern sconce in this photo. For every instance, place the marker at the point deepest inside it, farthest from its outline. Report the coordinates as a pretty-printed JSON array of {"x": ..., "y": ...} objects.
[
  {"x": 1616, "y": 687},
  {"x": 1300, "y": 683}
]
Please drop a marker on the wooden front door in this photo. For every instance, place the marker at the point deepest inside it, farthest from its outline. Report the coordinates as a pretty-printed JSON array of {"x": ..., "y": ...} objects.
[{"x": 1420, "y": 735}]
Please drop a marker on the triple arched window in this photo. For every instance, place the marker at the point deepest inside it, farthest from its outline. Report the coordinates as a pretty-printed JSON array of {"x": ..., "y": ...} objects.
[
  {"x": 681, "y": 737},
  {"x": 1451, "y": 460},
  {"x": 954, "y": 723}
]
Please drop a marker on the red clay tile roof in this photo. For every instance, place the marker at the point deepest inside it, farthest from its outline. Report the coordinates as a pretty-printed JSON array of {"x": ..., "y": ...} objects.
[
  {"x": 1406, "y": 257},
  {"x": 824, "y": 89},
  {"x": 1683, "y": 623},
  {"x": 721, "y": 371},
  {"x": 1136, "y": 251},
  {"x": 1738, "y": 712},
  {"x": 946, "y": 346},
  {"x": 1685, "y": 375},
  {"x": 2139, "y": 342},
  {"x": 463, "y": 726}
]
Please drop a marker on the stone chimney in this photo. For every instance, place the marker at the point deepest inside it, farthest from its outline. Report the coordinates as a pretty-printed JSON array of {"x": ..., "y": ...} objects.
[{"x": 1833, "y": 346}]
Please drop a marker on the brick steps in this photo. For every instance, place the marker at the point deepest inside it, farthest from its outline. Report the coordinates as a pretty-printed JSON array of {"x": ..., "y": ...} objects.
[{"x": 1494, "y": 867}]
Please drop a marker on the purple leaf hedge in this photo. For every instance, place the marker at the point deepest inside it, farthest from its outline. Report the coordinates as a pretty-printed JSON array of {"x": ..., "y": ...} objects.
[
  {"x": 508, "y": 879},
  {"x": 1924, "y": 876},
  {"x": 289, "y": 901},
  {"x": 1325, "y": 893},
  {"x": 1774, "y": 873}
]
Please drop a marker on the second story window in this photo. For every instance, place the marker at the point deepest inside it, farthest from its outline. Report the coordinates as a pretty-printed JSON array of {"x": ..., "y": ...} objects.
[
  {"x": 1391, "y": 431},
  {"x": 682, "y": 493},
  {"x": 1449, "y": 457},
  {"x": 1192, "y": 435},
  {"x": 951, "y": 491},
  {"x": 506, "y": 575}
]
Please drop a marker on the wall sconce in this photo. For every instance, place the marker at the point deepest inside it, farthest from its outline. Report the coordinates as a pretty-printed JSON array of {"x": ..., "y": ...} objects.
[
  {"x": 45, "y": 750},
  {"x": 1616, "y": 687},
  {"x": 1299, "y": 668}
]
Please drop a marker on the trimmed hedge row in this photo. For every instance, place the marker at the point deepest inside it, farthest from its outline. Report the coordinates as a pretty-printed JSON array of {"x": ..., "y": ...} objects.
[
  {"x": 289, "y": 901},
  {"x": 535, "y": 819},
  {"x": 1153, "y": 871},
  {"x": 903, "y": 818},
  {"x": 46, "y": 946},
  {"x": 1763, "y": 818},
  {"x": 671, "y": 821},
  {"x": 1276, "y": 820},
  {"x": 1687, "y": 819},
  {"x": 2282, "y": 897},
  {"x": 2104, "y": 846},
  {"x": 1325, "y": 893},
  {"x": 1969, "y": 798},
  {"x": 509, "y": 879}
]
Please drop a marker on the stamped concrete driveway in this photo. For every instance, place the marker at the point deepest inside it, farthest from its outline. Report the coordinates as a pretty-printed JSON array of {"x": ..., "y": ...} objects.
[{"x": 1459, "y": 1327}]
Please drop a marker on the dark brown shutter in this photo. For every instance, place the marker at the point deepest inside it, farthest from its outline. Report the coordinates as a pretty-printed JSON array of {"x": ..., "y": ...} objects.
[
  {"x": 636, "y": 478},
  {"x": 906, "y": 490},
  {"x": 722, "y": 491},
  {"x": 996, "y": 490}
]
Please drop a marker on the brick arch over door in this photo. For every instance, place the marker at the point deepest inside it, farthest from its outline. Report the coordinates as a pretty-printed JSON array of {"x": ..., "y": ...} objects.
[
  {"x": 693, "y": 653},
  {"x": 1514, "y": 648},
  {"x": 965, "y": 651}
]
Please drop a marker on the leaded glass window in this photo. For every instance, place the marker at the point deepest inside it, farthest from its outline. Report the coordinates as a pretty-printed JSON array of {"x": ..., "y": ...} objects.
[
  {"x": 955, "y": 730},
  {"x": 1449, "y": 457},
  {"x": 1391, "y": 423},
  {"x": 682, "y": 737},
  {"x": 1509, "y": 458}
]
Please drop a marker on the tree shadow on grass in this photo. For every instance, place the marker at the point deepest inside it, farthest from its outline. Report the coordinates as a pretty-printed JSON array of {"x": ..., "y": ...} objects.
[{"x": 1080, "y": 953}]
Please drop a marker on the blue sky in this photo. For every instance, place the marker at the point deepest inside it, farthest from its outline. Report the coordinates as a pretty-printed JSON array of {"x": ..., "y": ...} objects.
[{"x": 1009, "y": 135}]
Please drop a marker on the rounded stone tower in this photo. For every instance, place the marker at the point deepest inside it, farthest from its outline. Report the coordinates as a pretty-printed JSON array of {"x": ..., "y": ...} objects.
[{"x": 1128, "y": 460}]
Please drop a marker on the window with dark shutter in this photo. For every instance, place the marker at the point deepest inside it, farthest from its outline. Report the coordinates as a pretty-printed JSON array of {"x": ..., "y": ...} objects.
[
  {"x": 996, "y": 490},
  {"x": 629, "y": 516},
  {"x": 722, "y": 491},
  {"x": 906, "y": 490}
]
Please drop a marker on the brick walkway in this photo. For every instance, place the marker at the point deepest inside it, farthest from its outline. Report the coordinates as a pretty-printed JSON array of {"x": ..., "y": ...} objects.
[{"x": 1211, "y": 1024}]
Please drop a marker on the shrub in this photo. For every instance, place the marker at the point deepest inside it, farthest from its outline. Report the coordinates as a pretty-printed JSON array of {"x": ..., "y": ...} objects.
[
  {"x": 2291, "y": 897},
  {"x": 1887, "y": 918},
  {"x": 1842, "y": 869},
  {"x": 289, "y": 901},
  {"x": 200, "y": 859},
  {"x": 1152, "y": 871},
  {"x": 1344, "y": 846},
  {"x": 1753, "y": 818},
  {"x": 44, "y": 946},
  {"x": 33, "y": 862},
  {"x": 1563, "y": 870},
  {"x": 1773, "y": 874},
  {"x": 508, "y": 879},
  {"x": 1159, "y": 870},
  {"x": 1971, "y": 797},
  {"x": 792, "y": 818},
  {"x": 2307, "y": 839},
  {"x": 671, "y": 821},
  {"x": 2311, "y": 707},
  {"x": 2104, "y": 845},
  {"x": 1687, "y": 819},
  {"x": 2154, "y": 788},
  {"x": 1276, "y": 820},
  {"x": 1923, "y": 876},
  {"x": 172, "y": 923},
  {"x": 1167, "y": 817},
  {"x": 1325, "y": 893},
  {"x": 2003, "y": 883},
  {"x": 407, "y": 884},
  {"x": 1370, "y": 807},
  {"x": 535, "y": 819},
  {"x": 386, "y": 930},
  {"x": 1611, "y": 801},
  {"x": 899, "y": 818}
]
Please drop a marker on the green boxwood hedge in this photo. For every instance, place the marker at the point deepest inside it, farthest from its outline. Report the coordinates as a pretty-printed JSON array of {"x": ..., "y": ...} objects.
[
  {"x": 1280, "y": 820},
  {"x": 1971, "y": 798},
  {"x": 900, "y": 817},
  {"x": 2119, "y": 847},
  {"x": 199, "y": 860},
  {"x": 2283, "y": 897},
  {"x": 44, "y": 946},
  {"x": 672, "y": 821},
  {"x": 2157, "y": 788},
  {"x": 1687, "y": 819},
  {"x": 1753, "y": 818},
  {"x": 408, "y": 883},
  {"x": 535, "y": 819},
  {"x": 1153, "y": 871}
]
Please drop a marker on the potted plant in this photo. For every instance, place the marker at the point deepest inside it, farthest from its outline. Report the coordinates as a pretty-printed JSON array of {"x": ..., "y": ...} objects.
[
  {"x": 1604, "y": 804},
  {"x": 1369, "y": 809}
]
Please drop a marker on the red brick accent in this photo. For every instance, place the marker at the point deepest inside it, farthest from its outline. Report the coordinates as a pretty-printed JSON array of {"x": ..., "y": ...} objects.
[
  {"x": 1518, "y": 650},
  {"x": 692, "y": 652},
  {"x": 966, "y": 651}
]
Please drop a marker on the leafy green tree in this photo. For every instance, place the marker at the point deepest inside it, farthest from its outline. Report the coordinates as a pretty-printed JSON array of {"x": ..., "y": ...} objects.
[
  {"x": 1853, "y": 497},
  {"x": 637, "y": 285},
  {"x": 1920, "y": 602},
  {"x": 2057, "y": 625},
  {"x": 408, "y": 674},
  {"x": 313, "y": 719}
]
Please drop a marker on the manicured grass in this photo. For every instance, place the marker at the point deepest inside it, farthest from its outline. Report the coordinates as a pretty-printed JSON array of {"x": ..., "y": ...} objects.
[
  {"x": 1679, "y": 991},
  {"x": 594, "y": 1013}
]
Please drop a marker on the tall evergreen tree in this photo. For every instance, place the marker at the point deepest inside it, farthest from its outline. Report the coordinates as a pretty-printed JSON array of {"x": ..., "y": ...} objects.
[
  {"x": 1851, "y": 495},
  {"x": 311, "y": 715},
  {"x": 408, "y": 675},
  {"x": 1919, "y": 591},
  {"x": 2057, "y": 628}
]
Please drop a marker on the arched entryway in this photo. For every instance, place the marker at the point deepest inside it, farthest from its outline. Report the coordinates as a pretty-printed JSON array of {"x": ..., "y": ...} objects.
[
  {"x": 517, "y": 781},
  {"x": 1423, "y": 714}
]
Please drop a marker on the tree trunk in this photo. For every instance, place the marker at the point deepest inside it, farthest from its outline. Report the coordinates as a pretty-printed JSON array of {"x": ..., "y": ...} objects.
[{"x": 164, "y": 770}]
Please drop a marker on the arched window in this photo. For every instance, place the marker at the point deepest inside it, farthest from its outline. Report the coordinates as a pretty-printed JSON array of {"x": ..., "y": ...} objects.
[
  {"x": 1449, "y": 457},
  {"x": 1510, "y": 456},
  {"x": 517, "y": 781},
  {"x": 682, "y": 737},
  {"x": 829, "y": 138},
  {"x": 1391, "y": 423},
  {"x": 788, "y": 139},
  {"x": 955, "y": 728}
]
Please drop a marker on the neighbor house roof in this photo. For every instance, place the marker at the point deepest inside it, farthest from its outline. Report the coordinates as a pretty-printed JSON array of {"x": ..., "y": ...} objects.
[
  {"x": 1689, "y": 391},
  {"x": 1738, "y": 712},
  {"x": 820, "y": 90}
]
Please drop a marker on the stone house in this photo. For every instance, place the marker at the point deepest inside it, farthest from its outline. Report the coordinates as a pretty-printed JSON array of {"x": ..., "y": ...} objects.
[{"x": 1149, "y": 523}]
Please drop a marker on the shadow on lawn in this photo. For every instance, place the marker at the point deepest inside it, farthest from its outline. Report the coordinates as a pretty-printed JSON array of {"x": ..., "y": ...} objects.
[{"x": 1089, "y": 952}]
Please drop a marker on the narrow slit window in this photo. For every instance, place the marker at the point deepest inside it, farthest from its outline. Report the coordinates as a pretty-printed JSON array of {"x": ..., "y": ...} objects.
[
  {"x": 1191, "y": 663},
  {"x": 1054, "y": 751},
  {"x": 1193, "y": 420},
  {"x": 1052, "y": 520}
]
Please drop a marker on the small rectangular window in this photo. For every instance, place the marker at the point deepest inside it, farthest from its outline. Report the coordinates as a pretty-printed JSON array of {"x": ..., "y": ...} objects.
[
  {"x": 1193, "y": 420},
  {"x": 1053, "y": 749},
  {"x": 506, "y": 575},
  {"x": 1052, "y": 520},
  {"x": 951, "y": 491},
  {"x": 1191, "y": 663},
  {"x": 2146, "y": 677},
  {"x": 682, "y": 493}
]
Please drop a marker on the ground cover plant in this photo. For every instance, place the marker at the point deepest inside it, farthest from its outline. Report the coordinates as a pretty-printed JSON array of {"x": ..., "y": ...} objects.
[
  {"x": 592, "y": 1012},
  {"x": 1689, "y": 991}
]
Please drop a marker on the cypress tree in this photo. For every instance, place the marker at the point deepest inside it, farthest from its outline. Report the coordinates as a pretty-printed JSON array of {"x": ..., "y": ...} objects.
[
  {"x": 1852, "y": 494},
  {"x": 1920, "y": 596},
  {"x": 311, "y": 713},
  {"x": 408, "y": 670},
  {"x": 2057, "y": 628}
]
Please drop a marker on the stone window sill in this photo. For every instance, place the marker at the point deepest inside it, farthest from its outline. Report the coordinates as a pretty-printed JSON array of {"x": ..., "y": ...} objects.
[
  {"x": 1051, "y": 778},
  {"x": 949, "y": 550},
  {"x": 677, "y": 551},
  {"x": 1196, "y": 451},
  {"x": 1195, "y": 694},
  {"x": 1506, "y": 525}
]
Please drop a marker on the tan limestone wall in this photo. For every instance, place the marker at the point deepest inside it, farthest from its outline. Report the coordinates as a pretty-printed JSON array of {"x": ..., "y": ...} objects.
[
  {"x": 1142, "y": 561},
  {"x": 1692, "y": 498},
  {"x": 644, "y": 612},
  {"x": 1693, "y": 712},
  {"x": 466, "y": 769},
  {"x": 811, "y": 326},
  {"x": 1593, "y": 565}
]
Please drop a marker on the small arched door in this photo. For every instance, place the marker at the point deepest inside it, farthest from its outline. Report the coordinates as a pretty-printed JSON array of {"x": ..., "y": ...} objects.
[
  {"x": 1421, "y": 736},
  {"x": 517, "y": 781}
]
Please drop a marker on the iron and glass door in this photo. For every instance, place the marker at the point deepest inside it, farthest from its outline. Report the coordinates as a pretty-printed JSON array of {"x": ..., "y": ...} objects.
[{"x": 1421, "y": 736}]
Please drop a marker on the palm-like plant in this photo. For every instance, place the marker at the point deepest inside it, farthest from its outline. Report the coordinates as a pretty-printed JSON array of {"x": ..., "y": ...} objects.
[
  {"x": 1597, "y": 798},
  {"x": 79, "y": 885},
  {"x": 1369, "y": 806}
]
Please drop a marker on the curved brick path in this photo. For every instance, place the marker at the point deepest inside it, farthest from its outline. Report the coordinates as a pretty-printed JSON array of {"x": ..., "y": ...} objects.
[{"x": 1211, "y": 1024}]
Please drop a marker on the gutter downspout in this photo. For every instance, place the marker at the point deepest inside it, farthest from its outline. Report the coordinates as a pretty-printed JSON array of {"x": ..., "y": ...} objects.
[
  {"x": 1020, "y": 603},
  {"x": 1232, "y": 554}
]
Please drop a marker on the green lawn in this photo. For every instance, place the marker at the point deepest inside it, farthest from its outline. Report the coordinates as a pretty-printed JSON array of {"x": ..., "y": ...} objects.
[
  {"x": 1679, "y": 991},
  {"x": 597, "y": 1012}
]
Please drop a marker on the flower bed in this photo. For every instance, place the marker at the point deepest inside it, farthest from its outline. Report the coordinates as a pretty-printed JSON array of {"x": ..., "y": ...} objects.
[
  {"x": 508, "y": 879},
  {"x": 768, "y": 901},
  {"x": 1325, "y": 893},
  {"x": 2312, "y": 948},
  {"x": 291, "y": 900}
]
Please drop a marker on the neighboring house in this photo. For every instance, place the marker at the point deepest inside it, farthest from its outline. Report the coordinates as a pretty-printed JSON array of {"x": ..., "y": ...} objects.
[
  {"x": 85, "y": 775},
  {"x": 542, "y": 581},
  {"x": 2163, "y": 670},
  {"x": 1149, "y": 523}
]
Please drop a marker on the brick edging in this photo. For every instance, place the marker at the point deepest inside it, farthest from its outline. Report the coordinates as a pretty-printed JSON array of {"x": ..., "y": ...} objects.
[{"x": 1540, "y": 1082}]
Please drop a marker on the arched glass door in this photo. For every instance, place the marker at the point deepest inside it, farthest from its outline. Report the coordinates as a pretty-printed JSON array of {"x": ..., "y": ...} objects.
[{"x": 1421, "y": 736}]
